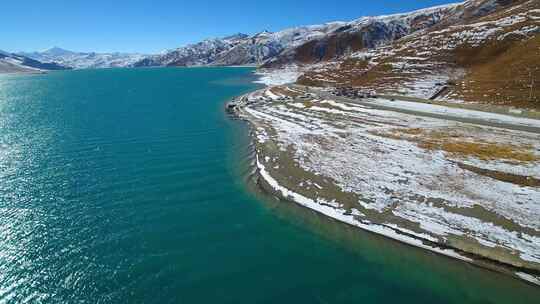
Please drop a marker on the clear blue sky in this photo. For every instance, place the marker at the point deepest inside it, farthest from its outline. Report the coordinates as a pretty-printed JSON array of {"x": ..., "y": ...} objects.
[{"x": 152, "y": 26}]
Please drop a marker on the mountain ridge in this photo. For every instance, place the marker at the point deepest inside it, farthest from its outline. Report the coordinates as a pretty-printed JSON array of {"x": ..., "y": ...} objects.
[
  {"x": 266, "y": 48},
  {"x": 317, "y": 43},
  {"x": 238, "y": 49}
]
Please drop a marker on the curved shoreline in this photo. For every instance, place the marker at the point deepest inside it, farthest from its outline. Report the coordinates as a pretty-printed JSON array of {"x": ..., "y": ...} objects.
[{"x": 270, "y": 186}]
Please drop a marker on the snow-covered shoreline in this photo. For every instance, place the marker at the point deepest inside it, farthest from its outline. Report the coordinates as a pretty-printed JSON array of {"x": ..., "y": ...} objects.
[
  {"x": 339, "y": 214},
  {"x": 410, "y": 238},
  {"x": 334, "y": 209}
]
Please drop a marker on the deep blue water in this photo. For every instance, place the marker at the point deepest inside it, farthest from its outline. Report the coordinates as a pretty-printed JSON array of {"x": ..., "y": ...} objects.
[{"x": 129, "y": 185}]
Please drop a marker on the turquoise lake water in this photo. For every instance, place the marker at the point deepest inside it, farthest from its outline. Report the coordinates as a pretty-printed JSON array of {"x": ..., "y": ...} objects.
[{"x": 130, "y": 186}]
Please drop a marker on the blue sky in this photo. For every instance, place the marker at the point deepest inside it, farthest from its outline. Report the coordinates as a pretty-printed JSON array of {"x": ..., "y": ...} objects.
[{"x": 153, "y": 26}]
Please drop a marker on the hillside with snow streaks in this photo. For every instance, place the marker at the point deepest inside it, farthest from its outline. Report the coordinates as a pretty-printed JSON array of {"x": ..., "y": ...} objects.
[
  {"x": 320, "y": 43},
  {"x": 459, "y": 61},
  {"x": 304, "y": 44},
  {"x": 365, "y": 33},
  {"x": 13, "y": 63},
  {"x": 440, "y": 183},
  {"x": 240, "y": 49}
]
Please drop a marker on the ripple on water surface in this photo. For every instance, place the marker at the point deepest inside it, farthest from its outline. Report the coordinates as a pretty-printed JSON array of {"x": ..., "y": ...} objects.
[{"x": 122, "y": 186}]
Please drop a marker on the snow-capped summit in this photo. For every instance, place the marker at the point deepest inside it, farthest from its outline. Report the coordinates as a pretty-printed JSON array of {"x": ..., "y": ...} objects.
[
  {"x": 56, "y": 51},
  {"x": 237, "y": 36}
]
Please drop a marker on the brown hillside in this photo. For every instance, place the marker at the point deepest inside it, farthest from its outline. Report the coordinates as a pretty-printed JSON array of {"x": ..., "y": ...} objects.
[
  {"x": 503, "y": 73},
  {"x": 490, "y": 59}
]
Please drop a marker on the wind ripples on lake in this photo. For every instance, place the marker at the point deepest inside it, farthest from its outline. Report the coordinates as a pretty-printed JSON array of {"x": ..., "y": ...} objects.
[{"x": 123, "y": 186}]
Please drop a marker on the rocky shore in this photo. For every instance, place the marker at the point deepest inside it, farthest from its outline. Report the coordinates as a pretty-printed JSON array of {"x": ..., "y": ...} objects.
[{"x": 466, "y": 190}]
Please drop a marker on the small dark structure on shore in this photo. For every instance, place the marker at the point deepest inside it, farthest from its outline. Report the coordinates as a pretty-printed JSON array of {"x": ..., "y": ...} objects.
[
  {"x": 353, "y": 92},
  {"x": 442, "y": 90}
]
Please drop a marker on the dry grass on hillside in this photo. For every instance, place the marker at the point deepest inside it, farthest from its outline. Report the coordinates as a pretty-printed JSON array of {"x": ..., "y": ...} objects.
[
  {"x": 459, "y": 146},
  {"x": 503, "y": 69},
  {"x": 354, "y": 72},
  {"x": 502, "y": 73}
]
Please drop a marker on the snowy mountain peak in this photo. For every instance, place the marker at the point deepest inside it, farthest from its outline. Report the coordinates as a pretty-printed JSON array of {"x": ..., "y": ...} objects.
[
  {"x": 281, "y": 47},
  {"x": 56, "y": 51},
  {"x": 236, "y": 36}
]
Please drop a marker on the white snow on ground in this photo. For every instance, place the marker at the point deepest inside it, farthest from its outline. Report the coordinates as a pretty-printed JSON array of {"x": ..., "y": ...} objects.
[
  {"x": 477, "y": 33},
  {"x": 271, "y": 95},
  {"x": 19, "y": 63},
  {"x": 457, "y": 112},
  {"x": 297, "y": 105},
  {"x": 341, "y": 141},
  {"x": 524, "y": 31},
  {"x": 531, "y": 169},
  {"x": 436, "y": 219},
  {"x": 424, "y": 87},
  {"x": 323, "y": 207},
  {"x": 528, "y": 277},
  {"x": 274, "y": 77}
]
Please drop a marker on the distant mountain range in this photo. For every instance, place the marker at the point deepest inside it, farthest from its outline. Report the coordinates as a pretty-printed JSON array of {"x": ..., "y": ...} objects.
[
  {"x": 457, "y": 47},
  {"x": 82, "y": 60},
  {"x": 298, "y": 45},
  {"x": 14, "y": 63}
]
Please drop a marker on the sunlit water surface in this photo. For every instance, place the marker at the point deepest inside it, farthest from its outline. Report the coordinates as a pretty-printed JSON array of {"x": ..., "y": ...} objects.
[{"x": 129, "y": 185}]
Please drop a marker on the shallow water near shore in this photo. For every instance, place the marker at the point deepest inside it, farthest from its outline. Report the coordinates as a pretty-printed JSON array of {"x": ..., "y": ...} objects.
[{"x": 132, "y": 185}]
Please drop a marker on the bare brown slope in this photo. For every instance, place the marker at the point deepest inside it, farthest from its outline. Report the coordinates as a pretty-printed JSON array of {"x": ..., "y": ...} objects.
[{"x": 507, "y": 72}]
